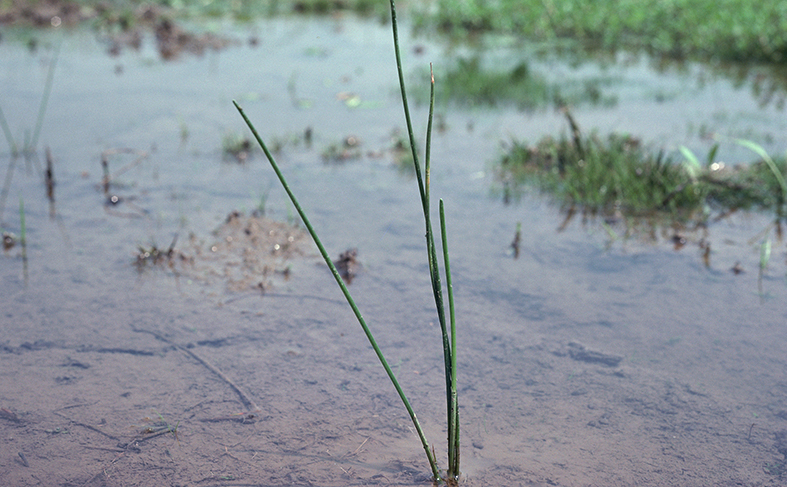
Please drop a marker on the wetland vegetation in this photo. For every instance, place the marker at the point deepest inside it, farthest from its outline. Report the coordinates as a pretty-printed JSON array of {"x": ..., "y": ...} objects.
[
  {"x": 531, "y": 388},
  {"x": 727, "y": 30}
]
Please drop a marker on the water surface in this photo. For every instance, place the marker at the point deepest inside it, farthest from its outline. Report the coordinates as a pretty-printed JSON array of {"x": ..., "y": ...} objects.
[{"x": 585, "y": 361}]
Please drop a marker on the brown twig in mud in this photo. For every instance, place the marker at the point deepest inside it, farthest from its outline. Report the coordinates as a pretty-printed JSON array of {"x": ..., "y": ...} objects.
[
  {"x": 360, "y": 446},
  {"x": 517, "y": 240},
  {"x": 49, "y": 178},
  {"x": 244, "y": 398},
  {"x": 242, "y": 418},
  {"x": 107, "y": 178},
  {"x": 24, "y": 460},
  {"x": 87, "y": 426},
  {"x": 9, "y": 415}
]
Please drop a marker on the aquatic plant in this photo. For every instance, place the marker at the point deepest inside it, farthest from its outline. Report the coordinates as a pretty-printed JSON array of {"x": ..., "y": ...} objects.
[
  {"x": 618, "y": 175},
  {"x": 730, "y": 30},
  {"x": 447, "y": 323}
]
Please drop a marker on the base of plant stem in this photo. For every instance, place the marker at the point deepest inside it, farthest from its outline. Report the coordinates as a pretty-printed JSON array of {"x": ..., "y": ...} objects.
[{"x": 450, "y": 481}]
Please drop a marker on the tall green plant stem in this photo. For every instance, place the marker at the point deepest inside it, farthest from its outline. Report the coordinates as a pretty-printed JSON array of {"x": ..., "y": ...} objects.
[
  {"x": 346, "y": 292},
  {"x": 453, "y": 443},
  {"x": 437, "y": 289}
]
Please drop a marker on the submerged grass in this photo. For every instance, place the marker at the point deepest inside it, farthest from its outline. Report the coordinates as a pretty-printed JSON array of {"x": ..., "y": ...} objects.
[
  {"x": 617, "y": 176},
  {"x": 730, "y": 30},
  {"x": 469, "y": 82},
  {"x": 447, "y": 325}
]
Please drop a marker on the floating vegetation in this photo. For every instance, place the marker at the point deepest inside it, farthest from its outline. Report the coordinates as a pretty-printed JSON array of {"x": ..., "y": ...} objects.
[{"x": 128, "y": 15}]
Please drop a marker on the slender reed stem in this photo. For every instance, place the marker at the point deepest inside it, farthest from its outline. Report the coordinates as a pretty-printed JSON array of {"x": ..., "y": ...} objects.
[
  {"x": 453, "y": 442},
  {"x": 434, "y": 271},
  {"x": 424, "y": 188},
  {"x": 345, "y": 291}
]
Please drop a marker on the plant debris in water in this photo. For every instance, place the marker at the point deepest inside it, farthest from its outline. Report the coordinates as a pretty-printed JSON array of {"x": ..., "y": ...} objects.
[
  {"x": 153, "y": 256},
  {"x": 347, "y": 264},
  {"x": 249, "y": 251},
  {"x": 246, "y": 253}
]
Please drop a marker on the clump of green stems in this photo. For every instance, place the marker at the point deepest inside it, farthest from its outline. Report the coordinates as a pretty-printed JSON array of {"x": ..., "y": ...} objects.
[
  {"x": 448, "y": 334},
  {"x": 727, "y": 30},
  {"x": 618, "y": 175}
]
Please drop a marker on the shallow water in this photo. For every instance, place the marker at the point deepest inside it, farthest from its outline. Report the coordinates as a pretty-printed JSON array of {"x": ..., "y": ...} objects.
[{"x": 96, "y": 354}]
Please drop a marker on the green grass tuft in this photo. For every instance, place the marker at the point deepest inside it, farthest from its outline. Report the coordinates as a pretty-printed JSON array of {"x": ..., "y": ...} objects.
[
  {"x": 729, "y": 30},
  {"x": 617, "y": 176}
]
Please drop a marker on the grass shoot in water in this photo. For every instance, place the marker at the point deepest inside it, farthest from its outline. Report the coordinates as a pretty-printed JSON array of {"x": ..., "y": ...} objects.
[{"x": 448, "y": 335}]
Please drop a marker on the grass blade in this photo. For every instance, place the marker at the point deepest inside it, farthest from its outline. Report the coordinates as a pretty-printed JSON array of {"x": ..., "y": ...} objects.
[
  {"x": 345, "y": 291},
  {"x": 453, "y": 420},
  {"x": 757, "y": 149}
]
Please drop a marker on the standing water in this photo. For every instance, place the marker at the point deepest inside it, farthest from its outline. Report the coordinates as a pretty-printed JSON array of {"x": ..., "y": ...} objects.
[{"x": 172, "y": 325}]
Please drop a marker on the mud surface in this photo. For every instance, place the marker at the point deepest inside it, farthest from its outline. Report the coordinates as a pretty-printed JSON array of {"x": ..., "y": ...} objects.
[{"x": 227, "y": 356}]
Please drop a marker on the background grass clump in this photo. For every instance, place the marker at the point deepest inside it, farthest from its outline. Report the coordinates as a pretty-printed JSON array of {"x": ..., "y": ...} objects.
[
  {"x": 617, "y": 177},
  {"x": 128, "y": 13},
  {"x": 605, "y": 176},
  {"x": 728, "y": 30}
]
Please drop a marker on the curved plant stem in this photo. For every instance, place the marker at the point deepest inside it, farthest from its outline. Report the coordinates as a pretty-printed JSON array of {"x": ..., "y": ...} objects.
[{"x": 345, "y": 291}]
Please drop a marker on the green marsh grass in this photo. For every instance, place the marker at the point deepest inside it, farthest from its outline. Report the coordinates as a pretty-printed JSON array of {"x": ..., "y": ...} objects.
[
  {"x": 618, "y": 176},
  {"x": 447, "y": 323},
  {"x": 726, "y": 30}
]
